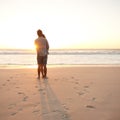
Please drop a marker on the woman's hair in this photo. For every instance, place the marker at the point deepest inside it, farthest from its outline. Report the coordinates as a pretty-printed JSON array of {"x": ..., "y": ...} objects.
[
  {"x": 39, "y": 33},
  {"x": 43, "y": 35}
]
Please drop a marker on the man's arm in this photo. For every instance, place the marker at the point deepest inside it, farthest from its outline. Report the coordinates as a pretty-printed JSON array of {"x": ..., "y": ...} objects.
[{"x": 47, "y": 45}]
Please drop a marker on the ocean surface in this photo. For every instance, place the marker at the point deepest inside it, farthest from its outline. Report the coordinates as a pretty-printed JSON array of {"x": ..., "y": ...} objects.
[{"x": 61, "y": 57}]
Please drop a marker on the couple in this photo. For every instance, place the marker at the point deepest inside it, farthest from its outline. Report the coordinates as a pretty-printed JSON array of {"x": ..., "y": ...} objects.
[{"x": 42, "y": 47}]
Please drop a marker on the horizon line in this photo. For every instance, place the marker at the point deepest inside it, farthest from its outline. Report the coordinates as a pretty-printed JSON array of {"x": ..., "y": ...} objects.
[{"x": 63, "y": 49}]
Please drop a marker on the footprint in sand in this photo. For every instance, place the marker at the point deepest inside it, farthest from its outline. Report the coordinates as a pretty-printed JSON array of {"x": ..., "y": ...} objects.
[
  {"x": 76, "y": 82},
  {"x": 37, "y": 104},
  {"x": 93, "y": 99},
  {"x": 8, "y": 80},
  {"x": 13, "y": 113},
  {"x": 65, "y": 107},
  {"x": 86, "y": 86},
  {"x": 25, "y": 98},
  {"x": 36, "y": 107},
  {"x": 36, "y": 111},
  {"x": 81, "y": 93},
  {"x": 72, "y": 77},
  {"x": 11, "y": 106},
  {"x": 20, "y": 93},
  {"x": 90, "y": 106},
  {"x": 65, "y": 116},
  {"x": 41, "y": 89},
  {"x": 36, "y": 86},
  {"x": 17, "y": 87},
  {"x": 3, "y": 84}
]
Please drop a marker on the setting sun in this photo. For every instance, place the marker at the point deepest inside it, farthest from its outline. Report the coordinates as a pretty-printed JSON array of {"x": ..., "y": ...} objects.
[{"x": 77, "y": 25}]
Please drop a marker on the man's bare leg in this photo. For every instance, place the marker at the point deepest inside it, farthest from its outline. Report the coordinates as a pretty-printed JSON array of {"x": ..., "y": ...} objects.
[
  {"x": 38, "y": 72},
  {"x": 45, "y": 71}
]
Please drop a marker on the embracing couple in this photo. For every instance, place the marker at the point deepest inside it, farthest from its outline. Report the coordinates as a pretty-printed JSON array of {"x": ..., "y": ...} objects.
[{"x": 42, "y": 47}]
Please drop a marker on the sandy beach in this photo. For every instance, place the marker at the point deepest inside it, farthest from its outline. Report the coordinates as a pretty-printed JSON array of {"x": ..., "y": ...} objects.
[{"x": 69, "y": 93}]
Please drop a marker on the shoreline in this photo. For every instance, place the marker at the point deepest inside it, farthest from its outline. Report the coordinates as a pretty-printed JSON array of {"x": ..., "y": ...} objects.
[{"x": 56, "y": 66}]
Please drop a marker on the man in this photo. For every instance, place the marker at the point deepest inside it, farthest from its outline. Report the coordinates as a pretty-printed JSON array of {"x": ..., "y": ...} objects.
[{"x": 42, "y": 47}]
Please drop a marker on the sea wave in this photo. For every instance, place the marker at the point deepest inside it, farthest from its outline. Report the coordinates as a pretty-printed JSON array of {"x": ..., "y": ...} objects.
[
  {"x": 61, "y": 52},
  {"x": 61, "y": 57}
]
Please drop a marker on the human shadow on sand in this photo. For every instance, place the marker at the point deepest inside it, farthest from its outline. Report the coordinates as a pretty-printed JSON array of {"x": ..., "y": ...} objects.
[{"x": 51, "y": 108}]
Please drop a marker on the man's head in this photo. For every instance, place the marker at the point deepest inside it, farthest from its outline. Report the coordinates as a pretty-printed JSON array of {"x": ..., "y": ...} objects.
[{"x": 39, "y": 32}]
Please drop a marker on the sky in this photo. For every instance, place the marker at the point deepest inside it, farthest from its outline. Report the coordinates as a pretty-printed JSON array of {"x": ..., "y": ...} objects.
[{"x": 67, "y": 24}]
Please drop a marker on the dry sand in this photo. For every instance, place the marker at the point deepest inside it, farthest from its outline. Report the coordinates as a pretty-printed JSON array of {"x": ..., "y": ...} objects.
[{"x": 70, "y": 93}]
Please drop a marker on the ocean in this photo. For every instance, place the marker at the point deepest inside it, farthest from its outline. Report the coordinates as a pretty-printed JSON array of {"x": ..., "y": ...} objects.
[{"x": 61, "y": 57}]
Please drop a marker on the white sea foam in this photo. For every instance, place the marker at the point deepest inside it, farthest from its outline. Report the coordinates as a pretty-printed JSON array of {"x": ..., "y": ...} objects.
[{"x": 61, "y": 57}]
